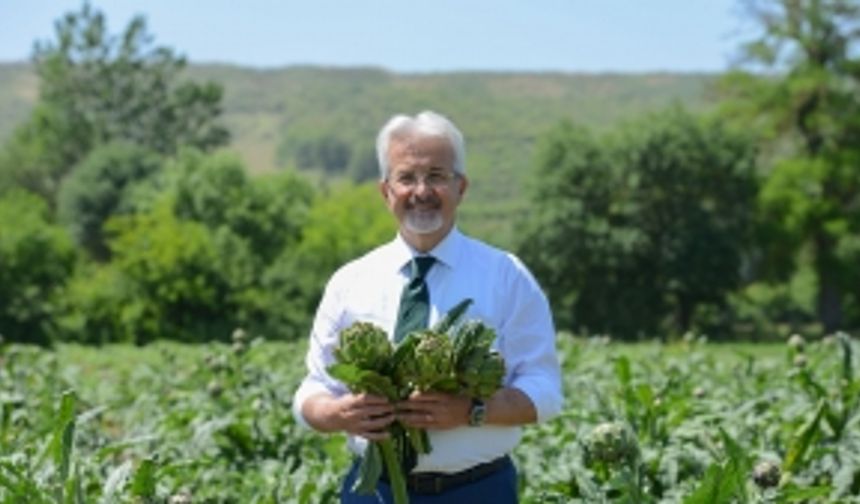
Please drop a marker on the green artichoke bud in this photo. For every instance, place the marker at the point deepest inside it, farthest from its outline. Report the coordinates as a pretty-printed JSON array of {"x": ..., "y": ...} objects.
[
  {"x": 471, "y": 338},
  {"x": 365, "y": 346},
  {"x": 480, "y": 371},
  {"x": 433, "y": 355},
  {"x": 799, "y": 361},
  {"x": 611, "y": 443},
  {"x": 766, "y": 474},
  {"x": 482, "y": 374},
  {"x": 796, "y": 342},
  {"x": 430, "y": 364},
  {"x": 239, "y": 335},
  {"x": 183, "y": 497}
]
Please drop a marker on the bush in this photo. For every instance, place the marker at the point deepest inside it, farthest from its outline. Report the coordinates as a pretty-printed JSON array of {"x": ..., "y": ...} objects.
[
  {"x": 101, "y": 186},
  {"x": 36, "y": 259}
]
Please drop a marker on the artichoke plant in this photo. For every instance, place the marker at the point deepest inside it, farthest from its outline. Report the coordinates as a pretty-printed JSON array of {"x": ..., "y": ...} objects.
[{"x": 611, "y": 443}]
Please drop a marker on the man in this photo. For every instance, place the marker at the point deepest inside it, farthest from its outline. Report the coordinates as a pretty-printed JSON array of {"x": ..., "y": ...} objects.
[{"x": 423, "y": 181}]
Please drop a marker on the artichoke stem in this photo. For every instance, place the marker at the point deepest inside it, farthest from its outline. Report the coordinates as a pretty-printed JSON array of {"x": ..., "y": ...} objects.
[{"x": 395, "y": 473}]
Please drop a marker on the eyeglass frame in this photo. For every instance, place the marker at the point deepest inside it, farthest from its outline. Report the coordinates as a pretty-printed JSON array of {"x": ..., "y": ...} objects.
[{"x": 409, "y": 181}]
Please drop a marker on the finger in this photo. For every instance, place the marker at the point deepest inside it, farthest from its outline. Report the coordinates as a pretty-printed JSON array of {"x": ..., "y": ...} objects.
[
  {"x": 426, "y": 397},
  {"x": 377, "y": 422},
  {"x": 423, "y": 419},
  {"x": 375, "y": 435},
  {"x": 371, "y": 399}
]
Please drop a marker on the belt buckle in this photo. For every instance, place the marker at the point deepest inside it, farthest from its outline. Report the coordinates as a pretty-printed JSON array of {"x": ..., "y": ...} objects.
[{"x": 431, "y": 484}]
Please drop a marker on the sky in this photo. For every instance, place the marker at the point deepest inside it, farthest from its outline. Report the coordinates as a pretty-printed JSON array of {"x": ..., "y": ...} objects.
[{"x": 589, "y": 36}]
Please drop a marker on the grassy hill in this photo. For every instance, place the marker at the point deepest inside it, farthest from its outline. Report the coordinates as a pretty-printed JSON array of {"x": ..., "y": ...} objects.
[{"x": 272, "y": 113}]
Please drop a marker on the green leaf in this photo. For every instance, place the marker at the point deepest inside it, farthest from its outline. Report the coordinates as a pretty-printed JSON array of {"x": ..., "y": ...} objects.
[
  {"x": 622, "y": 371},
  {"x": 738, "y": 467},
  {"x": 714, "y": 489},
  {"x": 144, "y": 482},
  {"x": 802, "y": 440},
  {"x": 62, "y": 441},
  {"x": 794, "y": 493},
  {"x": 115, "y": 481},
  {"x": 369, "y": 470},
  {"x": 452, "y": 317},
  {"x": 362, "y": 380}
]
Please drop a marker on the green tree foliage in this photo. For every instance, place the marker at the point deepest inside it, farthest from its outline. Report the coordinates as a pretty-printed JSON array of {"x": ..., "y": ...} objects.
[
  {"x": 326, "y": 152},
  {"x": 190, "y": 262},
  {"x": 809, "y": 110},
  {"x": 96, "y": 88},
  {"x": 186, "y": 280},
  {"x": 631, "y": 230},
  {"x": 692, "y": 187},
  {"x": 267, "y": 212},
  {"x": 36, "y": 258},
  {"x": 101, "y": 186},
  {"x": 342, "y": 224}
]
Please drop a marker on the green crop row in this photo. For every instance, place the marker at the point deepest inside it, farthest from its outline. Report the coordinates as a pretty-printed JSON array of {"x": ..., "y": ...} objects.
[{"x": 692, "y": 422}]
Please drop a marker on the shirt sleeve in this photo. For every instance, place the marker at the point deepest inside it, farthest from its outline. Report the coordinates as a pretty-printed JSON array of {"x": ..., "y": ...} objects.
[
  {"x": 528, "y": 344},
  {"x": 320, "y": 351}
]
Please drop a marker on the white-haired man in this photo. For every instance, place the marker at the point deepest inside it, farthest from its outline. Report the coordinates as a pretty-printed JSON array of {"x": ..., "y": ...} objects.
[{"x": 423, "y": 181}]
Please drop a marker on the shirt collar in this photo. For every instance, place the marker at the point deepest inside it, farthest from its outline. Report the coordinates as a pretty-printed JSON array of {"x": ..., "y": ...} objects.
[{"x": 446, "y": 251}]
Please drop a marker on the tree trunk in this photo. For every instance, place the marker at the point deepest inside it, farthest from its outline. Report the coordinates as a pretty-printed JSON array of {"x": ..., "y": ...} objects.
[{"x": 684, "y": 314}]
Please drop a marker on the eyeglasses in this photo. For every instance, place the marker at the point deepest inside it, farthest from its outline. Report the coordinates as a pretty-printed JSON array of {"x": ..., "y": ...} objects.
[{"x": 434, "y": 180}]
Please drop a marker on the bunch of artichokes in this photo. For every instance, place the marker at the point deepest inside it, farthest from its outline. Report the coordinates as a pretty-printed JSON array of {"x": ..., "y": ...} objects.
[{"x": 450, "y": 358}]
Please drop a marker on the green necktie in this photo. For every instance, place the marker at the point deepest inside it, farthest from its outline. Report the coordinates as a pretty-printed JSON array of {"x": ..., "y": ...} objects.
[{"x": 414, "y": 311}]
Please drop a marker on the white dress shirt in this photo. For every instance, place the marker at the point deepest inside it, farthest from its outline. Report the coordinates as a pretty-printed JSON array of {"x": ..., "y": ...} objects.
[{"x": 506, "y": 297}]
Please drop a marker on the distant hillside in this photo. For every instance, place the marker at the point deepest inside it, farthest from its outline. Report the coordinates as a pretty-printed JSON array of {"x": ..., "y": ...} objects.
[{"x": 275, "y": 115}]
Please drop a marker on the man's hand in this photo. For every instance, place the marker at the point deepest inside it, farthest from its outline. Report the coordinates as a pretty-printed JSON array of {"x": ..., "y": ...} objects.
[
  {"x": 434, "y": 410},
  {"x": 364, "y": 415}
]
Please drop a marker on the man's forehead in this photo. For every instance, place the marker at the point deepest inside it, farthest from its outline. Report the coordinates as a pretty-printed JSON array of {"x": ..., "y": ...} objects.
[{"x": 420, "y": 145}]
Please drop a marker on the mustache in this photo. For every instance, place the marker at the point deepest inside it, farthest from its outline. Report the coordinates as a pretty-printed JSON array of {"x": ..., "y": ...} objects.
[{"x": 430, "y": 200}]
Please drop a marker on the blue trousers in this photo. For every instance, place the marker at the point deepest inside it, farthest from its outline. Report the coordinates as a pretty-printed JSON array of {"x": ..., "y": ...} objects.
[{"x": 497, "y": 488}]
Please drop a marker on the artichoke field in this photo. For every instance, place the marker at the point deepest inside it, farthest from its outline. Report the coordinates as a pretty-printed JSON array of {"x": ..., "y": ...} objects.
[{"x": 688, "y": 422}]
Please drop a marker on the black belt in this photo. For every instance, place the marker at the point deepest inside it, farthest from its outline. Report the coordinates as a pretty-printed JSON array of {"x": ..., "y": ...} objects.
[{"x": 434, "y": 483}]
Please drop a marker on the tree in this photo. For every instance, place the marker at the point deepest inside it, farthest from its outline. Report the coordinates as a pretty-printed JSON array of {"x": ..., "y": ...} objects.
[
  {"x": 692, "y": 184},
  {"x": 581, "y": 244},
  {"x": 640, "y": 228},
  {"x": 191, "y": 261},
  {"x": 341, "y": 225},
  {"x": 96, "y": 88},
  {"x": 268, "y": 211},
  {"x": 100, "y": 187},
  {"x": 36, "y": 259},
  {"x": 809, "y": 110}
]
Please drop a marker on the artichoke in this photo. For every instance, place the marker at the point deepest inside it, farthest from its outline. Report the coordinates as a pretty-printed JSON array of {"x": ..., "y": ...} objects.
[
  {"x": 482, "y": 375},
  {"x": 611, "y": 443},
  {"x": 766, "y": 474},
  {"x": 429, "y": 364},
  {"x": 365, "y": 346},
  {"x": 480, "y": 370},
  {"x": 796, "y": 342}
]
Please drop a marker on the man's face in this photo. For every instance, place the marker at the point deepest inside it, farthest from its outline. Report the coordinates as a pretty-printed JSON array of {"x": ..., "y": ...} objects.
[{"x": 422, "y": 190}]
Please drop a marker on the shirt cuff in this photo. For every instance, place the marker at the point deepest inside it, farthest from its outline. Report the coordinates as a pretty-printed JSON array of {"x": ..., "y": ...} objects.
[
  {"x": 307, "y": 389},
  {"x": 546, "y": 397}
]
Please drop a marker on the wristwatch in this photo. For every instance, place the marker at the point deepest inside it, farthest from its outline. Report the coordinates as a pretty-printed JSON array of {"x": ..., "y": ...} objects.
[{"x": 477, "y": 413}]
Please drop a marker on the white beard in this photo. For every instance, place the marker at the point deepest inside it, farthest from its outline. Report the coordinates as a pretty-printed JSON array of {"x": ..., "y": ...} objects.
[{"x": 423, "y": 222}]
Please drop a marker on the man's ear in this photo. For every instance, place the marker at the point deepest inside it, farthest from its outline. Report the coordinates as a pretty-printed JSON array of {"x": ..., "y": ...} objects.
[
  {"x": 464, "y": 183},
  {"x": 383, "y": 190}
]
